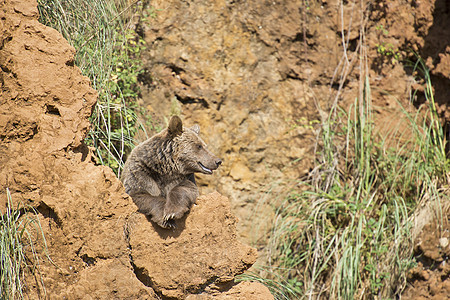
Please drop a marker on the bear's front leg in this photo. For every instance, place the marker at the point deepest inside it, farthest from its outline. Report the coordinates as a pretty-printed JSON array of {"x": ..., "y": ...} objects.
[
  {"x": 180, "y": 200},
  {"x": 153, "y": 206}
]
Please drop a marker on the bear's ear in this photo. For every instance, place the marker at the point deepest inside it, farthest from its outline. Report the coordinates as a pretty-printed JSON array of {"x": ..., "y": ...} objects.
[
  {"x": 175, "y": 126},
  {"x": 196, "y": 129}
]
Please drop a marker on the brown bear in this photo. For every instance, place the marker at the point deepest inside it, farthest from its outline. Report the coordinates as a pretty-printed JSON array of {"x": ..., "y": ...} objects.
[{"x": 159, "y": 173}]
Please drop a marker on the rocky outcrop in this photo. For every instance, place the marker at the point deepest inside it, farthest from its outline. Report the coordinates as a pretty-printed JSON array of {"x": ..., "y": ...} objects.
[
  {"x": 201, "y": 254},
  {"x": 99, "y": 247}
]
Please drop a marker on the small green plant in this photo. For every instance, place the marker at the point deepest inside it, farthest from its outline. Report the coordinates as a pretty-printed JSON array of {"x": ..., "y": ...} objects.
[
  {"x": 387, "y": 50},
  {"x": 302, "y": 123},
  {"x": 108, "y": 52},
  {"x": 18, "y": 228},
  {"x": 381, "y": 30}
]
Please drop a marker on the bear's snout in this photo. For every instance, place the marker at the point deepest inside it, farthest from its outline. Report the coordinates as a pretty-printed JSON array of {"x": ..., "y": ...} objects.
[{"x": 218, "y": 162}]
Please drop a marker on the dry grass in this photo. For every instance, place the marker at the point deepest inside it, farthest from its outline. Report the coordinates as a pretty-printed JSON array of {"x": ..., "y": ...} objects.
[{"x": 346, "y": 232}]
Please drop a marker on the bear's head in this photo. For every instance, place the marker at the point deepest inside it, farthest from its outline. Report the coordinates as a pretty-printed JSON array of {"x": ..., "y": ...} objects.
[{"x": 190, "y": 152}]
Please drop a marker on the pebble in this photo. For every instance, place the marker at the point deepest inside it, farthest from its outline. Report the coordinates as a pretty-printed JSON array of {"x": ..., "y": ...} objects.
[{"x": 443, "y": 242}]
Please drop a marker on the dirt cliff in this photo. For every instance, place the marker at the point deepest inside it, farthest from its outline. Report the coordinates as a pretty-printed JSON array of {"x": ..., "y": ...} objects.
[
  {"x": 99, "y": 246},
  {"x": 257, "y": 75}
]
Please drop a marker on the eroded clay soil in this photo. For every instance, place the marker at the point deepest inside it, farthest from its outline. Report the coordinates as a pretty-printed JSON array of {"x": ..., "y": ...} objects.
[{"x": 99, "y": 247}]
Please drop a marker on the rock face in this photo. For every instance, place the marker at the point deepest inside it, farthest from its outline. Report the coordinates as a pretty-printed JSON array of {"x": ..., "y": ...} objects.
[
  {"x": 254, "y": 74},
  {"x": 84, "y": 213},
  {"x": 222, "y": 63}
]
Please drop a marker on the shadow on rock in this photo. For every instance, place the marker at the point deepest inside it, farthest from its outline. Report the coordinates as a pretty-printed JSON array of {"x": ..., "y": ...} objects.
[{"x": 165, "y": 233}]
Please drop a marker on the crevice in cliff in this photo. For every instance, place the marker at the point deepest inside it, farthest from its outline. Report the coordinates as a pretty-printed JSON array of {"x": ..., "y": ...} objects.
[
  {"x": 191, "y": 100},
  {"x": 176, "y": 69},
  {"x": 140, "y": 273},
  {"x": 52, "y": 110},
  {"x": 211, "y": 287},
  {"x": 50, "y": 213},
  {"x": 89, "y": 261}
]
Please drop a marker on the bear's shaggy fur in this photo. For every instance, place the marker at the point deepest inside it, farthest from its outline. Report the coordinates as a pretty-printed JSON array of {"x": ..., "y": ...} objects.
[{"x": 159, "y": 173}]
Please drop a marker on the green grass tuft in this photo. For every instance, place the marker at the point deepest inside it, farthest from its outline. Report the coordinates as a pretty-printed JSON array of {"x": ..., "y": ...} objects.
[
  {"x": 108, "y": 52},
  {"x": 19, "y": 230}
]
